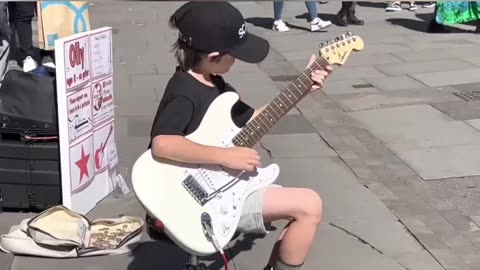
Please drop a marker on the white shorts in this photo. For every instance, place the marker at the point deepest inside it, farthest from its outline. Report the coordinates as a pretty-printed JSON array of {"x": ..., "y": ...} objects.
[{"x": 251, "y": 220}]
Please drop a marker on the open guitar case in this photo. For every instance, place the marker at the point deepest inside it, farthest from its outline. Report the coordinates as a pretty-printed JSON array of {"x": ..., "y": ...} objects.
[{"x": 29, "y": 147}]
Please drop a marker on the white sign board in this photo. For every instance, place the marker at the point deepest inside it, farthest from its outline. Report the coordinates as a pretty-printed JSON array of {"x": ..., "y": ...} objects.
[{"x": 86, "y": 116}]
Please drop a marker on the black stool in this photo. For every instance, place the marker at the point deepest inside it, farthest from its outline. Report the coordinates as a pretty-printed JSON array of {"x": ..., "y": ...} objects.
[{"x": 155, "y": 231}]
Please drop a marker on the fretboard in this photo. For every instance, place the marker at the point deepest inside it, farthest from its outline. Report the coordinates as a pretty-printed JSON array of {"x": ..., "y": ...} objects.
[{"x": 278, "y": 107}]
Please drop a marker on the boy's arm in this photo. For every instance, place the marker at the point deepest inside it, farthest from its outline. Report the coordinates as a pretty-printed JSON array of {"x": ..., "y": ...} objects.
[
  {"x": 168, "y": 133},
  {"x": 181, "y": 149}
]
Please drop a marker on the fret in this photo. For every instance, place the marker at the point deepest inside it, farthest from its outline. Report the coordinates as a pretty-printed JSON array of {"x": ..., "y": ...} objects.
[
  {"x": 278, "y": 107},
  {"x": 298, "y": 90},
  {"x": 265, "y": 122},
  {"x": 258, "y": 125},
  {"x": 298, "y": 86},
  {"x": 288, "y": 98},
  {"x": 270, "y": 107},
  {"x": 293, "y": 90},
  {"x": 237, "y": 141},
  {"x": 251, "y": 134},
  {"x": 267, "y": 114}
]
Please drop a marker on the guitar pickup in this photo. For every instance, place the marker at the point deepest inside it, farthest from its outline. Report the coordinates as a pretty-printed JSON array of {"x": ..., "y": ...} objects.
[{"x": 196, "y": 190}]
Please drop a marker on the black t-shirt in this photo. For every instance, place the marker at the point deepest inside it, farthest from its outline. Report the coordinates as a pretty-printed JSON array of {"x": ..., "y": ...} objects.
[{"x": 186, "y": 101}]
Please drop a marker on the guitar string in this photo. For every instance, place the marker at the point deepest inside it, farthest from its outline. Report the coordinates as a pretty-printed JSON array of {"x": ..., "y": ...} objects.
[{"x": 318, "y": 63}]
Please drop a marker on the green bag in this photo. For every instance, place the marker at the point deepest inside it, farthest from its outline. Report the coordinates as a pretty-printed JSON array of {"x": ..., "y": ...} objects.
[{"x": 452, "y": 12}]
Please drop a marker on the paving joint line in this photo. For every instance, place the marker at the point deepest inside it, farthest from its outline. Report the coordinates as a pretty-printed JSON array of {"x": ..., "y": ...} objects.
[{"x": 345, "y": 146}]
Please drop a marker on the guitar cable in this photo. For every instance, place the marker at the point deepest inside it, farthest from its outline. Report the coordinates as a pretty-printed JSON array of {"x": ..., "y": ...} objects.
[
  {"x": 207, "y": 225},
  {"x": 224, "y": 257}
]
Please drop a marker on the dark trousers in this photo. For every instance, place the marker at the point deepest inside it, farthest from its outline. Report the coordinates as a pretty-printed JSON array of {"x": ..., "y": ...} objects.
[
  {"x": 21, "y": 15},
  {"x": 4, "y": 26},
  {"x": 349, "y": 6}
]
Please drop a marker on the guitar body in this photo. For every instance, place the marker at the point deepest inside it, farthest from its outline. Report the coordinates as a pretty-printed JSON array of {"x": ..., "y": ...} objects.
[{"x": 159, "y": 186}]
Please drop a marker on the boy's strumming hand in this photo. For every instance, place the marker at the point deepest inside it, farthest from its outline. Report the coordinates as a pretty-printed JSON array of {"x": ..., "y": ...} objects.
[
  {"x": 318, "y": 76},
  {"x": 241, "y": 158}
]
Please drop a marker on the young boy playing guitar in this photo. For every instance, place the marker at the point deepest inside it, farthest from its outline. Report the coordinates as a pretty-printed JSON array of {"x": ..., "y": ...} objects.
[{"x": 212, "y": 35}]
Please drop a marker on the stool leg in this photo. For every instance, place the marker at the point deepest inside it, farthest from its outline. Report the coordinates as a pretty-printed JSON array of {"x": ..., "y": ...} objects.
[
  {"x": 194, "y": 264},
  {"x": 193, "y": 260}
]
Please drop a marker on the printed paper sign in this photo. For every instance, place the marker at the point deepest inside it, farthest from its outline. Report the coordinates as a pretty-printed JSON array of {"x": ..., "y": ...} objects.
[
  {"x": 102, "y": 92},
  {"x": 79, "y": 105},
  {"x": 85, "y": 117},
  {"x": 81, "y": 165},
  {"x": 77, "y": 62},
  {"x": 102, "y": 55},
  {"x": 102, "y": 139}
]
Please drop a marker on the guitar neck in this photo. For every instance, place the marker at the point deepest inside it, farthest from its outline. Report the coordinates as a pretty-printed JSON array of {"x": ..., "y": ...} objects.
[{"x": 278, "y": 107}]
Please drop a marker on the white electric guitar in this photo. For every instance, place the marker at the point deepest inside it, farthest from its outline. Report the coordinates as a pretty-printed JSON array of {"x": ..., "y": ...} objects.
[{"x": 200, "y": 205}]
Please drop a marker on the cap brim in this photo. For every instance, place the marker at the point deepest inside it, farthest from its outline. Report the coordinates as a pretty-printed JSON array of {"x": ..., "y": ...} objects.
[{"x": 253, "y": 50}]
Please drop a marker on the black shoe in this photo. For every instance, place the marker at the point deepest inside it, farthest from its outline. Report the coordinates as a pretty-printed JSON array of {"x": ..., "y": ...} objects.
[
  {"x": 352, "y": 19},
  {"x": 342, "y": 18}
]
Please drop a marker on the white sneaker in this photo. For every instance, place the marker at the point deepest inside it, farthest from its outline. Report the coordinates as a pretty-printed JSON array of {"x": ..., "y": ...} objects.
[
  {"x": 318, "y": 24},
  {"x": 395, "y": 6},
  {"x": 412, "y": 6},
  {"x": 29, "y": 64},
  {"x": 280, "y": 26}
]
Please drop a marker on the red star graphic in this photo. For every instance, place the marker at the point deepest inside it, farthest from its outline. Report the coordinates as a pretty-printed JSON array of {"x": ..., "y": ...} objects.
[{"x": 83, "y": 165}]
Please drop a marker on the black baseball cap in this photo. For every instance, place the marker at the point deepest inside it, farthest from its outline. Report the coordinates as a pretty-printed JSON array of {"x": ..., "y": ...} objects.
[{"x": 219, "y": 27}]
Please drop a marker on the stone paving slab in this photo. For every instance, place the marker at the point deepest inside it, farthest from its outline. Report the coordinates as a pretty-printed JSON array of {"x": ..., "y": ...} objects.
[
  {"x": 474, "y": 60},
  {"x": 355, "y": 73},
  {"x": 144, "y": 87},
  {"x": 297, "y": 146},
  {"x": 393, "y": 83},
  {"x": 423, "y": 66},
  {"x": 474, "y": 123},
  {"x": 466, "y": 87},
  {"x": 5, "y": 261},
  {"x": 460, "y": 110},
  {"x": 355, "y": 86},
  {"x": 430, "y": 163},
  {"x": 405, "y": 115},
  {"x": 356, "y": 102},
  {"x": 136, "y": 107},
  {"x": 7, "y": 220},
  {"x": 427, "y": 135},
  {"x": 440, "y": 78},
  {"x": 462, "y": 192},
  {"x": 293, "y": 123}
]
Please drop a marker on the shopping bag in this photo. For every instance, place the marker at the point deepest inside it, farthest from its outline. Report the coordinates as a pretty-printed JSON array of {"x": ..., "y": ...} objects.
[{"x": 60, "y": 19}]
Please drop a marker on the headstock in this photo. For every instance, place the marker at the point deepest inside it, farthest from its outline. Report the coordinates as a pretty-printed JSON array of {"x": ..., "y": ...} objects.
[{"x": 337, "y": 51}]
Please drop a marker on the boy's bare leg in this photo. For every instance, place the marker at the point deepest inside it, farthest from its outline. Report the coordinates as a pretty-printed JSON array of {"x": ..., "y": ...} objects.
[{"x": 304, "y": 208}]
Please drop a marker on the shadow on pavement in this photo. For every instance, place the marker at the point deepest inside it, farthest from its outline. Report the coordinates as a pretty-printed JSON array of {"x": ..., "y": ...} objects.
[
  {"x": 163, "y": 254},
  {"x": 422, "y": 26},
  {"x": 372, "y": 4}
]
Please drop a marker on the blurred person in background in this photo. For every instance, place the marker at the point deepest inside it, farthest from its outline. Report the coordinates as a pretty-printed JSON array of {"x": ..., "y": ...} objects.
[
  {"x": 316, "y": 23},
  {"x": 346, "y": 15}
]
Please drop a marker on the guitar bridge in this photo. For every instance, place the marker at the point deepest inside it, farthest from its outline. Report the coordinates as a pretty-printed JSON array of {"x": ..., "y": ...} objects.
[{"x": 197, "y": 191}]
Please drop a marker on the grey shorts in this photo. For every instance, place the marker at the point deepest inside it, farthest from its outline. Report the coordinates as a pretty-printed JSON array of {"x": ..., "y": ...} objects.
[{"x": 251, "y": 220}]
